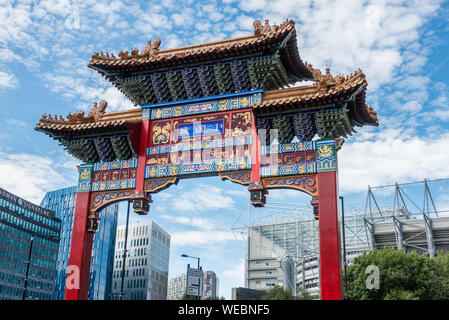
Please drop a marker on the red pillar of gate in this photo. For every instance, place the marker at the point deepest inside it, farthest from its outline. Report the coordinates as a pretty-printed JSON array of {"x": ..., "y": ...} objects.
[
  {"x": 80, "y": 250},
  {"x": 255, "y": 151},
  {"x": 142, "y": 157},
  {"x": 329, "y": 233}
]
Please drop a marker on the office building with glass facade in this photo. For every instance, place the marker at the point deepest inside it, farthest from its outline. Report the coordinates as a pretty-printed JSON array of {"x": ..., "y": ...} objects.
[
  {"x": 146, "y": 265},
  {"x": 62, "y": 201},
  {"x": 28, "y": 234}
]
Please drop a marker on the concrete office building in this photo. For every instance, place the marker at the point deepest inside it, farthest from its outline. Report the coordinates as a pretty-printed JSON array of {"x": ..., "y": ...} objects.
[
  {"x": 27, "y": 230},
  {"x": 177, "y": 287},
  {"x": 210, "y": 285},
  {"x": 280, "y": 244},
  {"x": 281, "y": 231},
  {"x": 268, "y": 245},
  {"x": 62, "y": 201},
  {"x": 146, "y": 266}
]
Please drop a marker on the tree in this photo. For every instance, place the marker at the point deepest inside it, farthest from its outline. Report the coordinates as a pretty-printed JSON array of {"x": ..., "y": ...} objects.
[
  {"x": 185, "y": 296},
  {"x": 278, "y": 293},
  {"x": 402, "y": 276},
  {"x": 441, "y": 268},
  {"x": 215, "y": 298},
  {"x": 303, "y": 294}
]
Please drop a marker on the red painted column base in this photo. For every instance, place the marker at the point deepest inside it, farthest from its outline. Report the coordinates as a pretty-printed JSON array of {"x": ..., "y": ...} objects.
[
  {"x": 329, "y": 232},
  {"x": 80, "y": 251}
]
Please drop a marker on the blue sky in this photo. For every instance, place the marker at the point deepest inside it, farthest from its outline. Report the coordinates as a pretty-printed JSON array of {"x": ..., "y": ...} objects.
[{"x": 402, "y": 47}]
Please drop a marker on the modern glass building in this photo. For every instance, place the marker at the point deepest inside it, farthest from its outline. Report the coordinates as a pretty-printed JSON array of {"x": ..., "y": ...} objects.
[
  {"x": 27, "y": 231},
  {"x": 146, "y": 265},
  {"x": 62, "y": 201}
]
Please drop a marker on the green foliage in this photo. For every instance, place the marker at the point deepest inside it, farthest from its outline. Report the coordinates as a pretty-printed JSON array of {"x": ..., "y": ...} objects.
[
  {"x": 187, "y": 297},
  {"x": 441, "y": 269},
  {"x": 215, "y": 298},
  {"x": 278, "y": 293},
  {"x": 399, "y": 294},
  {"x": 403, "y": 276},
  {"x": 303, "y": 294}
]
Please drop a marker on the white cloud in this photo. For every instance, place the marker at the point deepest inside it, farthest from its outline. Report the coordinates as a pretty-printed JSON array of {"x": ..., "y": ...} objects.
[
  {"x": 204, "y": 224},
  {"x": 202, "y": 198},
  {"x": 238, "y": 193},
  {"x": 191, "y": 238},
  {"x": 392, "y": 156},
  {"x": 29, "y": 176},
  {"x": 8, "y": 81},
  {"x": 411, "y": 106},
  {"x": 237, "y": 272},
  {"x": 345, "y": 35}
]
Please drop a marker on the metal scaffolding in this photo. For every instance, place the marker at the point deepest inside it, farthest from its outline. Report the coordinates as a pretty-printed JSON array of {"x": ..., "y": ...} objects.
[
  {"x": 413, "y": 225},
  {"x": 277, "y": 233},
  {"x": 283, "y": 231}
]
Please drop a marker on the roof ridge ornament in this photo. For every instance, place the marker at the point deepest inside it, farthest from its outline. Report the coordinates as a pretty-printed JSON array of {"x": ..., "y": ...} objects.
[
  {"x": 150, "y": 50},
  {"x": 263, "y": 30},
  {"x": 95, "y": 114},
  {"x": 373, "y": 114},
  {"x": 323, "y": 81},
  {"x": 327, "y": 80}
]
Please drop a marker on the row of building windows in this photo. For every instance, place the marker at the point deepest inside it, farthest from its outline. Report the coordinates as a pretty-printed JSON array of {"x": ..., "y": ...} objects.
[
  {"x": 132, "y": 262},
  {"x": 134, "y": 243},
  {"x": 9, "y": 293},
  {"x": 9, "y": 246},
  {"x": 140, "y": 252},
  {"x": 134, "y": 273},
  {"x": 315, "y": 266},
  {"x": 161, "y": 236},
  {"x": 28, "y": 225},
  {"x": 131, "y": 284},
  {"x": 52, "y": 223},
  {"x": 10, "y": 258},
  {"x": 136, "y": 231}
]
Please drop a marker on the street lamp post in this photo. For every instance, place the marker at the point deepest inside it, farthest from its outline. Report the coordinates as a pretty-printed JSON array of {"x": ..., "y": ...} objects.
[
  {"x": 198, "y": 259},
  {"x": 186, "y": 256},
  {"x": 124, "y": 253},
  {"x": 28, "y": 262},
  {"x": 25, "y": 285}
]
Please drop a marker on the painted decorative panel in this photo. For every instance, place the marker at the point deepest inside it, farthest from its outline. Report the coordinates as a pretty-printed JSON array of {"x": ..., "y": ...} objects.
[
  {"x": 289, "y": 147},
  {"x": 218, "y": 105},
  {"x": 298, "y": 158},
  {"x": 114, "y": 179},
  {"x": 161, "y": 132},
  {"x": 114, "y": 185},
  {"x": 85, "y": 178},
  {"x": 156, "y": 185},
  {"x": 120, "y": 164},
  {"x": 100, "y": 199},
  {"x": 281, "y": 170},
  {"x": 306, "y": 183},
  {"x": 240, "y": 177},
  {"x": 206, "y": 166},
  {"x": 210, "y": 144},
  {"x": 326, "y": 155}
]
